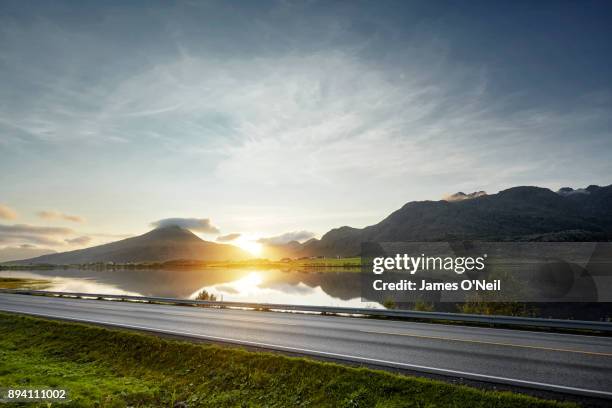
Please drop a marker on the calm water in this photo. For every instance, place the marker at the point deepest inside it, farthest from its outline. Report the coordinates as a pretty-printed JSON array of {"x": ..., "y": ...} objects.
[{"x": 265, "y": 286}]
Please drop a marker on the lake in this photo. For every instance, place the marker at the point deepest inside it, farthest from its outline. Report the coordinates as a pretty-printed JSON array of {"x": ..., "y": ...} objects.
[
  {"x": 323, "y": 288},
  {"x": 300, "y": 287}
]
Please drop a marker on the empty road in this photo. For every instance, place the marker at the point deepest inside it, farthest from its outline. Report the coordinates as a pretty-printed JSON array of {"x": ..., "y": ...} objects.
[{"x": 575, "y": 364}]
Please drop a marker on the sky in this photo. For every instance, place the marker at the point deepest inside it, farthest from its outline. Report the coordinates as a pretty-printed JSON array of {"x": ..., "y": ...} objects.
[{"x": 271, "y": 120}]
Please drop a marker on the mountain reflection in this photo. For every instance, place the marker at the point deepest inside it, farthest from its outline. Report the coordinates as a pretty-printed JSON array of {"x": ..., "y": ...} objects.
[{"x": 266, "y": 286}]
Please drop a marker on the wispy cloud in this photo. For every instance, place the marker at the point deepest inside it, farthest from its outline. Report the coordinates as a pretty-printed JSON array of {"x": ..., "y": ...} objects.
[
  {"x": 320, "y": 129},
  {"x": 311, "y": 105},
  {"x": 194, "y": 224},
  {"x": 7, "y": 213},
  {"x": 29, "y": 234},
  {"x": 32, "y": 229},
  {"x": 82, "y": 240},
  {"x": 56, "y": 215},
  {"x": 229, "y": 237},
  {"x": 287, "y": 237}
]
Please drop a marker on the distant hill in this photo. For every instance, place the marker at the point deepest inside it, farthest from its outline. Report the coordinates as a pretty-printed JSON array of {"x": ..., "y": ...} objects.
[
  {"x": 158, "y": 245},
  {"x": 515, "y": 214}
]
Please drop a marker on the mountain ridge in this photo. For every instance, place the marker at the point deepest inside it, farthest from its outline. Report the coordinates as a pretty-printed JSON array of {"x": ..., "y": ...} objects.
[{"x": 523, "y": 213}]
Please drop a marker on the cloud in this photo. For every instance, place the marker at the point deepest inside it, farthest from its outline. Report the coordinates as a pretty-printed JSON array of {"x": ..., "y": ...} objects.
[
  {"x": 82, "y": 240},
  {"x": 39, "y": 240},
  {"x": 428, "y": 118},
  {"x": 55, "y": 215},
  {"x": 268, "y": 111},
  {"x": 461, "y": 196},
  {"x": 7, "y": 213},
  {"x": 29, "y": 234},
  {"x": 193, "y": 224},
  {"x": 287, "y": 237},
  {"x": 32, "y": 229},
  {"x": 110, "y": 236},
  {"x": 228, "y": 237}
]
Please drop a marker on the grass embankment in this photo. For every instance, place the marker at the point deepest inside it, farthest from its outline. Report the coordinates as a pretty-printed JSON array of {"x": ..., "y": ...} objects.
[
  {"x": 19, "y": 283},
  {"x": 107, "y": 368}
]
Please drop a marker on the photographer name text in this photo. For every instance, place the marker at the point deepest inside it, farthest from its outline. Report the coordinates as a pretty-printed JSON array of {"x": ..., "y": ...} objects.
[
  {"x": 413, "y": 264},
  {"x": 425, "y": 286}
]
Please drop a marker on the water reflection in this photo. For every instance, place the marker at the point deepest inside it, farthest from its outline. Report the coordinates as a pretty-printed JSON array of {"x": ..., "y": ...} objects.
[{"x": 266, "y": 286}]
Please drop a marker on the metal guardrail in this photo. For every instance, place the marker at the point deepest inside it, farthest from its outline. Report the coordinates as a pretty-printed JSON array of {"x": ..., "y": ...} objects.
[{"x": 598, "y": 326}]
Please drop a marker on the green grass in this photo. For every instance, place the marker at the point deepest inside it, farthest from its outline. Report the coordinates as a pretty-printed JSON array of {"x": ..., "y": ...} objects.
[
  {"x": 113, "y": 368},
  {"x": 19, "y": 283}
]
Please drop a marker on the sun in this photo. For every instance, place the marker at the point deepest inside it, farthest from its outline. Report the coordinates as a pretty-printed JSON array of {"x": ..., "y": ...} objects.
[{"x": 252, "y": 247}]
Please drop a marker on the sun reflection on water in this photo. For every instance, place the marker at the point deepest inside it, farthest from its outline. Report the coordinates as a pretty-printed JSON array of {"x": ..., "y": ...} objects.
[
  {"x": 248, "y": 284},
  {"x": 259, "y": 288}
]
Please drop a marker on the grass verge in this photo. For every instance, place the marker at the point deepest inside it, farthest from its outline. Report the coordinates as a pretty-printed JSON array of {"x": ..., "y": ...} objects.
[
  {"x": 113, "y": 368},
  {"x": 20, "y": 283}
]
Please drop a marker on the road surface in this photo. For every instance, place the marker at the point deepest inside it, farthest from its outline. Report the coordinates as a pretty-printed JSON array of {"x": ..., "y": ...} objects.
[{"x": 575, "y": 364}]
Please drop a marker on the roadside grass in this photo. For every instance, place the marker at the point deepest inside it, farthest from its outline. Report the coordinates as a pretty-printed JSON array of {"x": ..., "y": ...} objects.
[
  {"x": 21, "y": 283},
  {"x": 113, "y": 368}
]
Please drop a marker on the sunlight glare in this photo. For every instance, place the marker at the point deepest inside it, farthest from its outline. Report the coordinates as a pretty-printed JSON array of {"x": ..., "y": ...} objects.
[
  {"x": 252, "y": 247},
  {"x": 248, "y": 284}
]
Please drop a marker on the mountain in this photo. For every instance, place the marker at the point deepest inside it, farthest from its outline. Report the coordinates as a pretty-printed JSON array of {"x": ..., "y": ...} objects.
[
  {"x": 515, "y": 214},
  {"x": 159, "y": 245}
]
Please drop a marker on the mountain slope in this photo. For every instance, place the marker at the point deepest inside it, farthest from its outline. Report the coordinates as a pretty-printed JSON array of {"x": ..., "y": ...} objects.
[
  {"x": 158, "y": 245},
  {"x": 515, "y": 214}
]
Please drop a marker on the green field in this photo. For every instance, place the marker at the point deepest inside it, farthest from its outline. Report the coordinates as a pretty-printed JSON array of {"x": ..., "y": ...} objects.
[
  {"x": 18, "y": 283},
  {"x": 111, "y": 368}
]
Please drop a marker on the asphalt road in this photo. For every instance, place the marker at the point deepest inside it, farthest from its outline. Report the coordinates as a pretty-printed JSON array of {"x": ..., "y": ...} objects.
[{"x": 575, "y": 364}]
